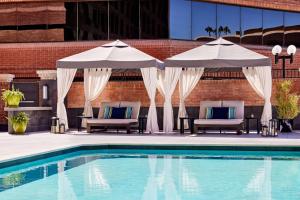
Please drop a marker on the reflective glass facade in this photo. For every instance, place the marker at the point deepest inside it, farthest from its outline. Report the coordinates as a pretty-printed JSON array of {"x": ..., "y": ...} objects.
[
  {"x": 120, "y": 19},
  {"x": 196, "y": 20}
]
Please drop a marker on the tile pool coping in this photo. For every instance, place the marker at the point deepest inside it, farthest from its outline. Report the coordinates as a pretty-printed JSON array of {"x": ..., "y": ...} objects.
[{"x": 74, "y": 148}]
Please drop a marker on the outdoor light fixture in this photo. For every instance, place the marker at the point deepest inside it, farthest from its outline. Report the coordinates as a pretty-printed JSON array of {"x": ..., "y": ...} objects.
[
  {"x": 291, "y": 51},
  {"x": 45, "y": 92}
]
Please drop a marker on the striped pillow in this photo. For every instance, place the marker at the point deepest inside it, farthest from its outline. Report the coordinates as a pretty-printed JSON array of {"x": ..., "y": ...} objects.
[
  {"x": 209, "y": 113},
  {"x": 231, "y": 113},
  {"x": 107, "y": 112},
  {"x": 128, "y": 113}
]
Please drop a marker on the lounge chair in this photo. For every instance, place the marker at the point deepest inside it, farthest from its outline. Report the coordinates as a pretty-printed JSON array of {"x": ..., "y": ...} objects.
[
  {"x": 115, "y": 123},
  {"x": 221, "y": 124}
]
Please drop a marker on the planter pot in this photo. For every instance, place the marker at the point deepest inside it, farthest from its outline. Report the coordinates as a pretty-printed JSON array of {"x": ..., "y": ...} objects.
[
  {"x": 19, "y": 128},
  {"x": 13, "y": 101},
  {"x": 286, "y": 125}
]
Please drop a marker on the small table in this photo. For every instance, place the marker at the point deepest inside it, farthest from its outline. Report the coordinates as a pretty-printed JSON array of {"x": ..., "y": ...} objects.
[
  {"x": 79, "y": 120},
  {"x": 248, "y": 119},
  {"x": 142, "y": 127},
  {"x": 190, "y": 121}
]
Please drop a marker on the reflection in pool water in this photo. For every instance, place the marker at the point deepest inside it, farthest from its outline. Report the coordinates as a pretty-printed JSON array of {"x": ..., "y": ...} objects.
[{"x": 156, "y": 176}]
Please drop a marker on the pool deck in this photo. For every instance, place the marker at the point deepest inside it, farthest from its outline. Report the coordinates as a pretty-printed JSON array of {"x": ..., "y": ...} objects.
[{"x": 18, "y": 146}]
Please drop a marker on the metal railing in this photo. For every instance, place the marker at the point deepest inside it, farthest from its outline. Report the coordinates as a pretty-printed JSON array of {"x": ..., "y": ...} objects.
[{"x": 221, "y": 75}]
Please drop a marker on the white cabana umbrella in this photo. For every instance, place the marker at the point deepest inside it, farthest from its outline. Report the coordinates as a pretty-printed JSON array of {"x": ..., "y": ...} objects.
[
  {"x": 98, "y": 64},
  {"x": 115, "y": 55},
  {"x": 218, "y": 54},
  {"x": 226, "y": 55}
]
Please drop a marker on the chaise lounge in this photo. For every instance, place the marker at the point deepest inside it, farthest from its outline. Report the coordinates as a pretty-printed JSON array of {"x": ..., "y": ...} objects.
[
  {"x": 104, "y": 122},
  {"x": 235, "y": 123}
]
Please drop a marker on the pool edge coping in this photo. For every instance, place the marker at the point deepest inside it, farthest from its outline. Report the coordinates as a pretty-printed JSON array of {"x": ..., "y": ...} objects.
[{"x": 73, "y": 148}]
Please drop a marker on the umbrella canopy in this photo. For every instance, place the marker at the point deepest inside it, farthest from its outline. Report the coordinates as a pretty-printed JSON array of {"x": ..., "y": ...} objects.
[
  {"x": 218, "y": 54},
  {"x": 115, "y": 55}
]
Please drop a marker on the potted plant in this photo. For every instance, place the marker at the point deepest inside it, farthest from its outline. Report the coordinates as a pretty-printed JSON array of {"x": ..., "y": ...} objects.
[
  {"x": 287, "y": 105},
  {"x": 19, "y": 122},
  {"x": 12, "y": 97}
]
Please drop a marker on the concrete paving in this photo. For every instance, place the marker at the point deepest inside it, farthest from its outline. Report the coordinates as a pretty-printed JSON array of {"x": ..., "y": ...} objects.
[{"x": 16, "y": 146}]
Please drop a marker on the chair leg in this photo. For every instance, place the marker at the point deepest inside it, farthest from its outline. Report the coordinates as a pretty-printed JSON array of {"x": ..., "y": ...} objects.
[
  {"x": 128, "y": 129},
  {"x": 88, "y": 128}
]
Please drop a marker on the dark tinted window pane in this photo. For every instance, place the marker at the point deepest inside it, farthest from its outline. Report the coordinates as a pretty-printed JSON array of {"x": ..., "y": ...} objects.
[
  {"x": 203, "y": 21},
  {"x": 180, "y": 19},
  {"x": 124, "y": 19},
  {"x": 292, "y": 28},
  {"x": 154, "y": 19},
  {"x": 228, "y": 22},
  {"x": 273, "y": 27},
  {"x": 92, "y": 20},
  {"x": 71, "y": 22},
  {"x": 251, "y": 25}
]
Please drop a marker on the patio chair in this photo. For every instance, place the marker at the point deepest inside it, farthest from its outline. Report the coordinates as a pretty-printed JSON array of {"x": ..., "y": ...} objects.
[
  {"x": 221, "y": 124},
  {"x": 115, "y": 123}
]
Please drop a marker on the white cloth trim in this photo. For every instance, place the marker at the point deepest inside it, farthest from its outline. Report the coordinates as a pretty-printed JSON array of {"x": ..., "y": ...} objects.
[
  {"x": 65, "y": 78},
  {"x": 167, "y": 81},
  {"x": 150, "y": 82},
  {"x": 95, "y": 80},
  {"x": 260, "y": 78},
  {"x": 187, "y": 82}
]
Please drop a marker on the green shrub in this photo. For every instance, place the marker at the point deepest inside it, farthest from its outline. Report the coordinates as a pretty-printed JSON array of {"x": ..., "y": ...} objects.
[
  {"x": 20, "y": 118},
  {"x": 287, "y": 102},
  {"x": 13, "y": 94}
]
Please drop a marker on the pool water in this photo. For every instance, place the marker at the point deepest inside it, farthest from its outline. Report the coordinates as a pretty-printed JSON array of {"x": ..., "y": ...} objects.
[{"x": 155, "y": 175}]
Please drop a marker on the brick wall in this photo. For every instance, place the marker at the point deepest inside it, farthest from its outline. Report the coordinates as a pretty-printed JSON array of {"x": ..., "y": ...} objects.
[
  {"x": 23, "y": 59},
  {"x": 205, "y": 90},
  {"x": 3, "y": 120},
  {"x": 19, "y": 14}
]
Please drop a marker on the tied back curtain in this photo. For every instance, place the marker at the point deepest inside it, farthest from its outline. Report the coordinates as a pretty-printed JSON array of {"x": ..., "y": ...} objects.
[
  {"x": 187, "y": 82},
  {"x": 65, "y": 78},
  {"x": 150, "y": 82},
  {"x": 167, "y": 81},
  {"x": 260, "y": 78},
  {"x": 95, "y": 80}
]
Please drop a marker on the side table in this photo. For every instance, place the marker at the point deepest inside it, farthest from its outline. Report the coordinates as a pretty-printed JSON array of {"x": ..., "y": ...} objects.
[
  {"x": 248, "y": 119},
  {"x": 190, "y": 121},
  {"x": 79, "y": 120},
  {"x": 142, "y": 127}
]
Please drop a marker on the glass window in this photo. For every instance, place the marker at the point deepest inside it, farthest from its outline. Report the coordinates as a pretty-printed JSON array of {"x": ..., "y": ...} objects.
[
  {"x": 273, "y": 27},
  {"x": 251, "y": 25},
  {"x": 228, "y": 22},
  {"x": 154, "y": 19},
  {"x": 180, "y": 19},
  {"x": 203, "y": 21},
  {"x": 92, "y": 20},
  {"x": 291, "y": 28},
  {"x": 70, "y": 29},
  {"x": 124, "y": 19}
]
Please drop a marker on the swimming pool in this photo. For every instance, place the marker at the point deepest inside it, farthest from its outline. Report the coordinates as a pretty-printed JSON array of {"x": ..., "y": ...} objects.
[{"x": 134, "y": 174}]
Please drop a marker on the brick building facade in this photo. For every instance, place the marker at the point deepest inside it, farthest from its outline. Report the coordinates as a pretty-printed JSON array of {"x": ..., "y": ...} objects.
[{"x": 22, "y": 52}]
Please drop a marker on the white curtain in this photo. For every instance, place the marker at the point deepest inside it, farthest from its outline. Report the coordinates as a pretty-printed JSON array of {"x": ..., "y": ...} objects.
[
  {"x": 260, "y": 78},
  {"x": 187, "y": 82},
  {"x": 95, "y": 80},
  {"x": 150, "y": 81},
  {"x": 65, "y": 78},
  {"x": 167, "y": 81}
]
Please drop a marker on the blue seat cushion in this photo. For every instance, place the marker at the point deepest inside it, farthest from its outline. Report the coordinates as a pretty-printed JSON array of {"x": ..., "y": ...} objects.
[
  {"x": 118, "y": 112},
  {"x": 220, "y": 112}
]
